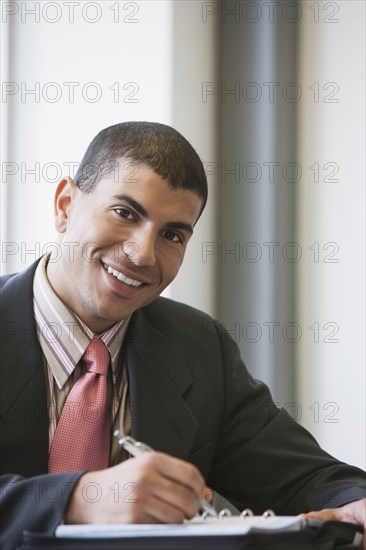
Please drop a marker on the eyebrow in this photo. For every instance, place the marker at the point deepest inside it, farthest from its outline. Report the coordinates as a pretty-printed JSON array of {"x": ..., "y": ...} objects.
[
  {"x": 136, "y": 205},
  {"x": 144, "y": 213}
]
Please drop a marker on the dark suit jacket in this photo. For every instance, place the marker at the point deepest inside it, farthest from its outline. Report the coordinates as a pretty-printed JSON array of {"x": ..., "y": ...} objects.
[{"x": 191, "y": 396}]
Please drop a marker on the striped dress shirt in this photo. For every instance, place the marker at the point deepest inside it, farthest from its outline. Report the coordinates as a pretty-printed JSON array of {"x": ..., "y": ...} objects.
[{"x": 64, "y": 338}]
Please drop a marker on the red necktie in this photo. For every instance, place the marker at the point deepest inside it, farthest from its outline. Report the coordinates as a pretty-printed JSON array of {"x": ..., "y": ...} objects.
[{"x": 82, "y": 437}]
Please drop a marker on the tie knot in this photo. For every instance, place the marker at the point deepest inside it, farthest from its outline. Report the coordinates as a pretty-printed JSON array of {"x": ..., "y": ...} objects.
[{"x": 96, "y": 357}]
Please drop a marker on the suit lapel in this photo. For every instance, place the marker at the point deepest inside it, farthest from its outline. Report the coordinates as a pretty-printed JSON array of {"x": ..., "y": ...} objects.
[
  {"x": 24, "y": 418},
  {"x": 158, "y": 379}
]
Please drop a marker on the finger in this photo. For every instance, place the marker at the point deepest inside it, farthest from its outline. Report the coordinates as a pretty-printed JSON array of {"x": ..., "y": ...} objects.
[
  {"x": 323, "y": 515},
  {"x": 331, "y": 514},
  {"x": 180, "y": 472},
  {"x": 207, "y": 494},
  {"x": 161, "y": 511},
  {"x": 178, "y": 496},
  {"x": 154, "y": 485}
]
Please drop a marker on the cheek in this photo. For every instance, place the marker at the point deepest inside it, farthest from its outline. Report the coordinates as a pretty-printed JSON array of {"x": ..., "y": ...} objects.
[
  {"x": 171, "y": 265},
  {"x": 91, "y": 230}
]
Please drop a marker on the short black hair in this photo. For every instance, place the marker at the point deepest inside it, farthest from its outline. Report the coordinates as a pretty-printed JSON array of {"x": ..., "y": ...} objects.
[{"x": 155, "y": 145}]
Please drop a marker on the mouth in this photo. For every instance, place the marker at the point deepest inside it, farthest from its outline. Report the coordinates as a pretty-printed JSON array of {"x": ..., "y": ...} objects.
[{"x": 121, "y": 277}]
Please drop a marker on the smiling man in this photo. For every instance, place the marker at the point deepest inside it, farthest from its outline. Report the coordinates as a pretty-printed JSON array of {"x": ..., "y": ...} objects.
[
  {"x": 131, "y": 236},
  {"x": 89, "y": 347}
]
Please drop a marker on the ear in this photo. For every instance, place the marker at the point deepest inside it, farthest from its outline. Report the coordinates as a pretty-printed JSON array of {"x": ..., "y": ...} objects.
[{"x": 64, "y": 197}]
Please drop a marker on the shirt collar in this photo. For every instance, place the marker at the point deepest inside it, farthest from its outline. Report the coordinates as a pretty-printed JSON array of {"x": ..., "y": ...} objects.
[{"x": 62, "y": 335}]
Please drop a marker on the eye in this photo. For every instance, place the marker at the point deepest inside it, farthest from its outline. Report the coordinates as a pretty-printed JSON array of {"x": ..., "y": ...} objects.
[
  {"x": 124, "y": 213},
  {"x": 172, "y": 236}
]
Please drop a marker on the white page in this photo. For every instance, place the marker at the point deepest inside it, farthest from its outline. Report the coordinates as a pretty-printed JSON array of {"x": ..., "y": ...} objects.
[{"x": 196, "y": 527}]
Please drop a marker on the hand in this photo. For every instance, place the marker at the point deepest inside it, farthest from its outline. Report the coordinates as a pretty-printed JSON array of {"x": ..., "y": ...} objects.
[
  {"x": 152, "y": 488},
  {"x": 354, "y": 512}
]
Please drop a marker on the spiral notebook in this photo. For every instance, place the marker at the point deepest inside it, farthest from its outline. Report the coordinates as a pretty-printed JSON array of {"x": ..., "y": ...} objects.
[
  {"x": 224, "y": 532},
  {"x": 223, "y": 525}
]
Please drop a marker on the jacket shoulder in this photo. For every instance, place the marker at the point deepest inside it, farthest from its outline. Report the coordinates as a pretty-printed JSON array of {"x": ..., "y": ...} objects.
[
  {"x": 14, "y": 283},
  {"x": 5, "y": 278},
  {"x": 181, "y": 323},
  {"x": 165, "y": 309}
]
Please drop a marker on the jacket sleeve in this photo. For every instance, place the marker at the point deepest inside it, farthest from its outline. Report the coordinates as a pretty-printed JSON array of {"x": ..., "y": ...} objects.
[
  {"x": 264, "y": 459},
  {"x": 35, "y": 504}
]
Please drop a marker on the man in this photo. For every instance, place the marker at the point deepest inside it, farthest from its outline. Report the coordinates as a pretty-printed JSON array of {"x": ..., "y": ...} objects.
[{"x": 173, "y": 377}]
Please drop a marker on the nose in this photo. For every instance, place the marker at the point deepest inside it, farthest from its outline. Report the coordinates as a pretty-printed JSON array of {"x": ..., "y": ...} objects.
[{"x": 140, "y": 248}]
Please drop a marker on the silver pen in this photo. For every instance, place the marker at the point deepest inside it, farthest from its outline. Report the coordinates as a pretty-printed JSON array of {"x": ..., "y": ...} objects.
[{"x": 137, "y": 448}]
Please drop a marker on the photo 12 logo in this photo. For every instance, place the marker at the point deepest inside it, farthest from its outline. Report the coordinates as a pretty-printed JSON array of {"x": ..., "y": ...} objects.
[
  {"x": 70, "y": 12},
  {"x": 249, "y": 11},
  {"x": 70, "y": 92}
]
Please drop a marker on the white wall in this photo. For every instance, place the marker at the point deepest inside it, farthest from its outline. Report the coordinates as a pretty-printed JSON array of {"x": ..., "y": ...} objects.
[{"x": 331, "y": 382}]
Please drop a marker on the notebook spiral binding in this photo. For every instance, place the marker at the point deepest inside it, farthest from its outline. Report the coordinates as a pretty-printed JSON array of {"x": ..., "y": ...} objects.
[{"x": 247, "y": 513}]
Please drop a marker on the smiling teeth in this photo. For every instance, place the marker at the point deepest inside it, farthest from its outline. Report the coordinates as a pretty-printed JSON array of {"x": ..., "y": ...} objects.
[{"x": 121, "y": 277}]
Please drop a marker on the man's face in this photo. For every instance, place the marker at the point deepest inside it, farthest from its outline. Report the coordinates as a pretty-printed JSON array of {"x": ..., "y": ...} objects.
[{"x": 130, "y": 237}]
